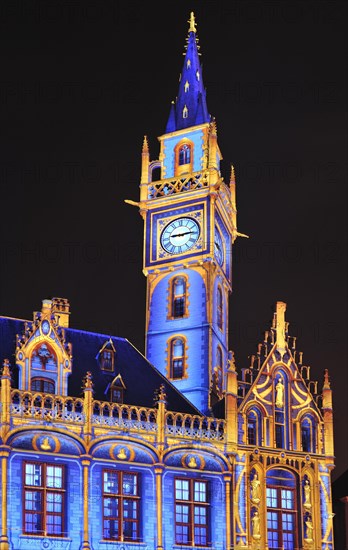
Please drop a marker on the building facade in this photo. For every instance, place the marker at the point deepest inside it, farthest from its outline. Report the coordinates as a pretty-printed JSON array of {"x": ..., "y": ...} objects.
[{"x": 102, "y": 448}]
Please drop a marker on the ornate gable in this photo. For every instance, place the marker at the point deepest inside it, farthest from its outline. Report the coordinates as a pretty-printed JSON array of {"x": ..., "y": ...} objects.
[
  {"x": 42, "y": 355},
  {"x": 278, "y": 406}
]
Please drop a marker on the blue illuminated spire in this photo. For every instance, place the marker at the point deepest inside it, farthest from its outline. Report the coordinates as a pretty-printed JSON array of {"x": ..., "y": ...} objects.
[{"x": 190, "y": 107}]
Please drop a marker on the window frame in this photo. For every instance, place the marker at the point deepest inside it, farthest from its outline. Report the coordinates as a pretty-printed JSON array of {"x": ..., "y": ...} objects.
[
  {"x": 192, "y": 504},
  {"x": 183, "y": 168},
  {"x": 171, "y": 358},
  {"x": 120, "y": 497},
  {"x": 173, "y": 297},
  {"x": 43, "y": 489},
  {"x": 42, "y": 380},
  {"x": 279, "y": 511},
  {"x": 103, "y": 361}
]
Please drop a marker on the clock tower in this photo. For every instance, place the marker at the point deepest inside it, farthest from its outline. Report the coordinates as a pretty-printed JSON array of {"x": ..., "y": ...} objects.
[{"x": 189, "y": 217}]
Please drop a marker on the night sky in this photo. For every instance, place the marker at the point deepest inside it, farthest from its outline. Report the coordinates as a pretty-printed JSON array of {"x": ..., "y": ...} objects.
[{"x": 82, "y": 82}]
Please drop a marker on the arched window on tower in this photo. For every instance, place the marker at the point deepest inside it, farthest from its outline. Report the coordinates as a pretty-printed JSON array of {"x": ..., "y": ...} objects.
[
  {"x": 184, "y": 154},
  {"x": 219, "y": 308},
  {"x": 179, "y": 300},
  {"x": 308, "y": 434},
  {"x": 183, "y": 157},
  {"x": 177, "y": 358}
]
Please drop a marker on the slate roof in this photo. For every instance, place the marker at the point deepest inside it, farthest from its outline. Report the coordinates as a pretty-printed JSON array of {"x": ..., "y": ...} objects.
[{"x": 140, "y": 377}]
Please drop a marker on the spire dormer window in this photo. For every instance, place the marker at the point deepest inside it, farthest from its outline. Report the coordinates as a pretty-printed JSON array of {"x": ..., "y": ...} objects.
[
  {"x": 187, "y": 86},
  {"x": 185, "y": 112}
]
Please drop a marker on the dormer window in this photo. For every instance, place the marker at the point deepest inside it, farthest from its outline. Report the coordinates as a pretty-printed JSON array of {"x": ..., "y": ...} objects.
[
  {"x": 116, "y": 395},
  {"x": 116, "y": 390},
  {"x": 106, "y": 356},
  {"x": 107, "y": 360}
]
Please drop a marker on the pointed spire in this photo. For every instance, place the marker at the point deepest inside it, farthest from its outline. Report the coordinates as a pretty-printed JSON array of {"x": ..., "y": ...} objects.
[
  {"x": 232, "y": 176},
  {"x": 190, "y": 107}
]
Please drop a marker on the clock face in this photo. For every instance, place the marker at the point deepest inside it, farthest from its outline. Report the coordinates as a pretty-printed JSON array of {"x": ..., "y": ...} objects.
[
  {"x": 218, "y": 247},
  {"x": 180, "y": 235}
]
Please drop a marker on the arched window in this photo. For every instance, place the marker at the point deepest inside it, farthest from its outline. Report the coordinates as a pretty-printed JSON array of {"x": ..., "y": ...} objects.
[
  {"x": 184, "y": 154},
  {"x": 43, "y": 385},
  {"x": 308, "y": 439},
  {"x": 254, "y": 427},
  {"x": 178, "y": 297},
  {"x": 177, "y": 358},
  {"x": 44, "y": 358},
  {"x": 184, "y": 157},
  {"x": 219, "y": 308},
  {"x": 282, "y": 521}
]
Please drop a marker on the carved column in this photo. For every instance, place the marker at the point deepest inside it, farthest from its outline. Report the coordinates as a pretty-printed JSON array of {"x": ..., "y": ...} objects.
[
  {"x": 85, "y": 495},
  {"x": 161, "y": 419},
  {"x": 4, "y": 454},
  {"x": 159, "y": 506},
  {"x": 227, "y": 480},
  {"x": 88, "y": 407}
]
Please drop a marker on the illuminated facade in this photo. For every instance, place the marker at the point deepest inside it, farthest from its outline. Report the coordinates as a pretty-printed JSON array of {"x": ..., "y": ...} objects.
[{"x": 103, "y": 449}]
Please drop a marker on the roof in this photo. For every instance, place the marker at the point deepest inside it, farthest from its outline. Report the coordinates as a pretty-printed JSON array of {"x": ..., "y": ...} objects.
[{"x": 141, "y": 378}]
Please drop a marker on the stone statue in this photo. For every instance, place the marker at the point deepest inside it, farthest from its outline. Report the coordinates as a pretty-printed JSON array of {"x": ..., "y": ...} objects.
[
  {"x": 309, "y": 529},
  {"x": 255, "y": 489},
  {"x": 255, "y": 526},
  {"x": 279, "y": 394},
  {"x": 307, "y": 495}
]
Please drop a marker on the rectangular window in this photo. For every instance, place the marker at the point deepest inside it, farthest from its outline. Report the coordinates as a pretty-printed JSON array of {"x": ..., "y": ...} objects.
[
  {"x": 281, "y": 518},
  {"x": 120, "y": 506},
  {"x": 191, "y": 512},
  {"x": 44, "y": 499},
  {"x": 179, "y": 307}
]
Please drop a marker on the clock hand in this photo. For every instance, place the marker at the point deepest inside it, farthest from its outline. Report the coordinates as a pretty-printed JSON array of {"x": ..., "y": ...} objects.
[{"x": 181, "y": 234}]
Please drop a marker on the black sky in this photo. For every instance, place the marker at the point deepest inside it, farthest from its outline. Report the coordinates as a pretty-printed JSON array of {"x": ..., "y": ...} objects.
[{"x": 82, "y": 82}]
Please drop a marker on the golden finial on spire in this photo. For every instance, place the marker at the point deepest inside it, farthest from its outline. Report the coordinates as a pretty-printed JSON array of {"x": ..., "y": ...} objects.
[
  {"x": 145, "y": 145},
  {"x": 192, "y": 22},
  {"x": 88, "y": 380},
  {"x": 326, "y": 385},
  {"x": 233, "y": 175},
  {"x": 6, "y": 368}
]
